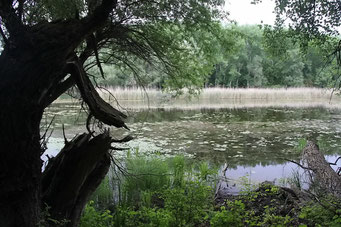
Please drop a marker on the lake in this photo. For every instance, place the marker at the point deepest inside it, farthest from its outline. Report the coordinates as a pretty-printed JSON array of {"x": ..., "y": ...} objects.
[{"x": 255, "y": 141}]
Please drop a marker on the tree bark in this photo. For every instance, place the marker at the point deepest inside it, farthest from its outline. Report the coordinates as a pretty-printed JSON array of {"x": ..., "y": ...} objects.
[
  {"x": 20, "y": 166},
  {"x": 27, "y": 75},
  {"x": 33, "y": 66},
  {"x": 322, "y": 174},
  {"x": 65, "y": 187},
  {"x": 71, "y": 177}
]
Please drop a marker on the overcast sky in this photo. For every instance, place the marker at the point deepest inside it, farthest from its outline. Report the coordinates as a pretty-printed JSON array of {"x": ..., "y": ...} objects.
[{"x": 245, "y": 13}]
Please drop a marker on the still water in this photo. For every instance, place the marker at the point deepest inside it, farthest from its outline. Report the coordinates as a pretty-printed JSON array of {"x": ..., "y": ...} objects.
[{"x": 253, "y": 142}]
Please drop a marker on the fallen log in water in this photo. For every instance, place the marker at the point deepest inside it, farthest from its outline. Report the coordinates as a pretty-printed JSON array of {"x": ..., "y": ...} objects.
[{"x": 320, "y": 171}]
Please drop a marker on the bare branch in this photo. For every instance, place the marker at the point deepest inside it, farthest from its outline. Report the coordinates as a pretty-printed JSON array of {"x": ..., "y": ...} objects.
[
  {"x": 335, "y": 161},
  {"x": 65, "y": 139},
  {"x": 94, "y": 45},
  {"x": 98, "y": 17},
  {"x": 43, "y": 137},
  {"x": 10, "y": 19},
  {"x": 124, "y": 140},
  {"x": 4, "y": 38},
  {"x": 299, "y": 164},
  {"x": 88, "y": 121},
  {"x": 21, "y": 8},
  {"x": 98, "y": 107},
  {"x": 119, "y": 148},
  {"x": 59, "y": 89}
]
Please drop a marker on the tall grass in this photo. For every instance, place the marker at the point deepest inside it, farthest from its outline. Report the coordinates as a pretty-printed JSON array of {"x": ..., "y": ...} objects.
[
  {"x": 137, "y": 98},
  {"x": 147, "y": 175},
  {"x": 213, "y": 98},
  {"x": 144, "y": 175},
  {"x": 132, "y": 94},
  {"x": 301, "y": 93},
  {"x": 266, "y": 93}
]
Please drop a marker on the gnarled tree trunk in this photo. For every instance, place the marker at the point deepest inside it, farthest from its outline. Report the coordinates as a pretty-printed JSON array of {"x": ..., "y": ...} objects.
[
  {"x": 71, "y": 176},
  {"x": 20, "y": 164},
  {"x": 33, "y": 67}
]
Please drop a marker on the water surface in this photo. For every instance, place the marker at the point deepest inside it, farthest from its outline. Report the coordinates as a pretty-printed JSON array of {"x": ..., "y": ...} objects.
[{"x": 252, "y": 141}]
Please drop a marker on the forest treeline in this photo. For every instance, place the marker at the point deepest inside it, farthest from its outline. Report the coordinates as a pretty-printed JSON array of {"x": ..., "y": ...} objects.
[{"x": 257, "y": 56}]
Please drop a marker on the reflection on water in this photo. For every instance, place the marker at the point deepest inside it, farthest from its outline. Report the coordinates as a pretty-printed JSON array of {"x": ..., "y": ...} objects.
[
  {"x": 253, "y": 141},
  {"x": 277, "y": 173}
]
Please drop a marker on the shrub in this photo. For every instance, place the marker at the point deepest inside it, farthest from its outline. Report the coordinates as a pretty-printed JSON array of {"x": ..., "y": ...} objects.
[
  {"x": 189, "y": 204},
  {"x": 172, "y": 193},
  {"x": 226, "y": 217},
  {"x": 325, "y": 213},
  {"x": 93, "y": 218}
]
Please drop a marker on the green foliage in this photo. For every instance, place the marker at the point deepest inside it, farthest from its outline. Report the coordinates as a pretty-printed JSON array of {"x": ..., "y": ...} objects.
[
  {"x": 46, "y": 219},
  {"x": 159, "y": 193},
  {"x": 144, "y": 175},
  {"x": 313, "y": 27},
  {"x": 185, "y": 206},
  {"x": 182, "y": 195},
  {"x": 144, "y": 217},
  {"x": 93, "y": 218},
  {"x": 270, "y": 56},
  {"x": 103, "y": 196},
  {"x": 178, "y": 164},
  {"x": 234, "y": 56},
  {"x": 271, "y": 219},
  {"x": 296, "y": 180},
  {"x": 301, "y": 145},
  {"x": 182, "y": 56},
  {"x": 63, "y": 9},
  {"x": 309, "y": 17},
  {"x": 205, "y": 171},
  {"x": 232, "y": 217},
  {"x": 189, "y": 204},
  {"x": 246, "y": 186},
  {"x": 237, "y": 214},
  {"x": 327, "y": 212},
  {"x": 169, "y": 44}
]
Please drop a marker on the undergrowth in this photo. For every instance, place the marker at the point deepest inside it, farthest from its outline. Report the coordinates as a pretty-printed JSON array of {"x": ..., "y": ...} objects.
[{"x": 173, "y": 192}]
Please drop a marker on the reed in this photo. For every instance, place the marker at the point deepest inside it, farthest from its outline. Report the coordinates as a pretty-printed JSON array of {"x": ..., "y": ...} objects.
[
  {"x": 215, "y": 98},
  {"x": 301, "y": 93},
  {"x": 132, "y": 94},
  {"x": 137, "y": 98}
]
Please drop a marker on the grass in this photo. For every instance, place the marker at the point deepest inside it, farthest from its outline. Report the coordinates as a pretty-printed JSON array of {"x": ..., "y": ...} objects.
[{"x": 156, "y": 192}]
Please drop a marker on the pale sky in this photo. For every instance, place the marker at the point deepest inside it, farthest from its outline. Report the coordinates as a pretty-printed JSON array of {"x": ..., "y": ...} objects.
[{"x": 244, "y": 12}]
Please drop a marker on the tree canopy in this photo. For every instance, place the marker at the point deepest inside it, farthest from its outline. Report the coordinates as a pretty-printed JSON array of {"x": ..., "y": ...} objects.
[
  {"x": 254, "y": 59},
  {"x": 310, "y": 17},
  {"x": 174, "y": 37},
  {"x": 49, "y": 47},
  {"x": 311, "y": 21}
]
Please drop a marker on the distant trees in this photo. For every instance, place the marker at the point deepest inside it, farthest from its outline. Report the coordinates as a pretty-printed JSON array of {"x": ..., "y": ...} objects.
[
  {"x": 260, "y": 61},
  {"x": 258, "y": 57},
  {"x": 314, "y": 26}
]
